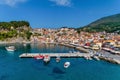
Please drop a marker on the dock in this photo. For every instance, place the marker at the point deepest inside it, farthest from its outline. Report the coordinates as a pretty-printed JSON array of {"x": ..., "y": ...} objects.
[
  {"x": 54, "y": 55},
  {"x": 105, "y": 56}
]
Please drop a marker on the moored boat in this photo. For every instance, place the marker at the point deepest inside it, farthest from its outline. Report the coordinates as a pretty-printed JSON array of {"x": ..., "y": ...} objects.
[
  {"x": 96, "y": 57},
  {"x": 66, "y": 64},
  {"x": 24, "y": 44},
  {"x": 10, "y": 48},
  {"x": 46, "y": 58},
  {"x": 58, "y": 59},
  {"x": 39, "y": 57}
]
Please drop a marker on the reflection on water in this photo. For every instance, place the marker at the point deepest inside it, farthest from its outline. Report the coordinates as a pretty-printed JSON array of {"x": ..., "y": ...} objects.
[{"x": 47, "y": 48}]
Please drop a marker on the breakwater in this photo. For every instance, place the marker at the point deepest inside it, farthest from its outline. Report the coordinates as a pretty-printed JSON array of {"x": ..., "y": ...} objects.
[
  {"x": 54, "y": 55},
  {"x": 69, "y": 55}
]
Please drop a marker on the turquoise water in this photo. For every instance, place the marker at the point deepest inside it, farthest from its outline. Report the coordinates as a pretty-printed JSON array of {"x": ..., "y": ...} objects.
[{"x": 14, "y": 68}]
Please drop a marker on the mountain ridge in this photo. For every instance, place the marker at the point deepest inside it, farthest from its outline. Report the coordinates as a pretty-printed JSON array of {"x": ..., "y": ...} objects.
[{"x": 108, "y": 24}]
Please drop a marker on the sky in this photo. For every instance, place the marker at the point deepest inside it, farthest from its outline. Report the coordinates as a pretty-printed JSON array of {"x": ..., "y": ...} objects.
[{"x": 57, "y": 13}]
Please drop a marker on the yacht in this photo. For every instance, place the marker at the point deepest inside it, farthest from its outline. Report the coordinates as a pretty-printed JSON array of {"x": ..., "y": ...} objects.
[
  {"x": 10, "y": 48},
  {"x": 66, "y": 64}
]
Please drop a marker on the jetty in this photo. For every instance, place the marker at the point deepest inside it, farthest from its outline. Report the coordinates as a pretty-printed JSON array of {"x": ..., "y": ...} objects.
[
  {"x": 54, "y": 55},
  {"x": 103, "y": 55}
]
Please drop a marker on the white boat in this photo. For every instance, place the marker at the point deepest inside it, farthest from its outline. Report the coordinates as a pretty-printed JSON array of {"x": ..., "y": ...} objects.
[
  {"x": 24, "y": 44},
  {"x": 66, "y": 64},
  {"x": 58, "y": 59},
  {"x": 95, "y": 57},
  {"x": 89, "y": 58},
  {"x": 46, "y": 58},
  {"x": 10, "y": 48}
]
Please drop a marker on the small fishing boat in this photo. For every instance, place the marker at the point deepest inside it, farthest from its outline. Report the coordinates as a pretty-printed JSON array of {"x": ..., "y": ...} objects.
[
  {"x": 96, "y": 57},
  {"x": 24, "y": 44},
  {"x": 39, "y": 57},
  {"x": 58, "y": 59},
  {"x": 89, "y": 58},
  {"x": 66, "y": 64},
  {"x": 46, "y": 58},
  {"x": 10, "y": 48}
]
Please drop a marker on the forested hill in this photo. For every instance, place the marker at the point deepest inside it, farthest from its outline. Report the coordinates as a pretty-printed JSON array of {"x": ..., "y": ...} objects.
[
  {"x": 108, "y": 24},
  {"x": 14, "y": 24},
  {"x": 15, "y": 29}
]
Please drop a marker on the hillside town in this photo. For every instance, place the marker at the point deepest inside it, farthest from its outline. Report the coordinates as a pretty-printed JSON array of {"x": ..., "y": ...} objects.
[{"x": 95, "y": 41}]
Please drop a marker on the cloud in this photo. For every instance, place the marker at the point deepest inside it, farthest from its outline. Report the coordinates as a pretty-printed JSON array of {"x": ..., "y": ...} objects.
[
  {"x": 62, "y": 2},
  {"x": 11, "y": 2}
]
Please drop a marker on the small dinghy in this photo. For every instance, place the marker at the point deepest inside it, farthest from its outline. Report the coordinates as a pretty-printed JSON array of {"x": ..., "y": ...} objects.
[
  {"x": 10, "y": 48},
  {"x": 66, "y": 64},
  {"x": 46, "y": 58},
  {"x": 58, "y": 59}
]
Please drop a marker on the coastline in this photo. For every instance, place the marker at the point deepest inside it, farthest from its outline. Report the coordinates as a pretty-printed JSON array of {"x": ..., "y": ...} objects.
[
  {"x": 76, "y": 47},
  {"x": 109, "y": 57}
]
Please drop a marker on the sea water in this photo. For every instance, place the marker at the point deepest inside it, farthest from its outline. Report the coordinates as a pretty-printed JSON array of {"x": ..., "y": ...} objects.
[{"x": 14, "y": 68}]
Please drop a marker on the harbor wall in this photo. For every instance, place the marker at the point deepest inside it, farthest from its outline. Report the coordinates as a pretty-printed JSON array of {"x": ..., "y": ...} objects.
[
  {"x": 110, "y": 60},
  {"x": 75, "y": 47}
]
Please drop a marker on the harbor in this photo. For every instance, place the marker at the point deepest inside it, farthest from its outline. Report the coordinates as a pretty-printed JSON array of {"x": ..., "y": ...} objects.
[
  {"x": 27, "y": 67},
  {"x": 89, "y": 56}
]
